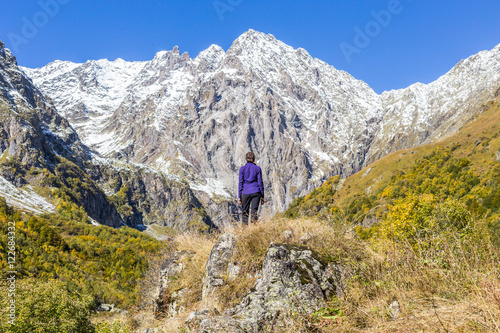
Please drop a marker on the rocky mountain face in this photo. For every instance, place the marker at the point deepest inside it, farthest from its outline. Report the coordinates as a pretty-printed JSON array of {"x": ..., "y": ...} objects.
[
  {"x": 422, "y": 114},
  {"x": 144, "y": 196},
  {"x": 40, "y": 150},
  {"x": 194, "y": 119},
  {"x": 32, "y": 130}
]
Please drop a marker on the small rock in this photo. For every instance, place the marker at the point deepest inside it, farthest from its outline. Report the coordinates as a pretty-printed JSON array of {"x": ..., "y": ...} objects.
[
  {"x": 287, "y": 236},
  {"x": 394, "y": 309},
  {"x": 498, "y": 155},
  {"x": 369, "y": 189},
  {"x": 338, "y": 275},
  {"x": 338, "y": 187},
  {"x": 118, "y": 310},
  {"x": 307, "y": 237},
  {"x": 105, "y": 307},
  {"x": 369, "y": 221},
  {"x": 233, "y": 271},
  {"x": 196, "y": 319},
  {"x": 366, "y": 172},
  {"x": 151, "y": 330},
  {"x": 163, "y": 301},
  {"x": 177, "y": 296}
]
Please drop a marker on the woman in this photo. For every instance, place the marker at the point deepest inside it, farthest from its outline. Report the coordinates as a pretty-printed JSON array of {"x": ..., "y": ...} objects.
[{"x": 250, "y": 188}]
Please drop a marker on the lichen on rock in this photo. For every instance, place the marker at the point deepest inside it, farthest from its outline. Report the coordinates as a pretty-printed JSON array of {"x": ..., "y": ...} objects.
[
  {"x": 292, "y": 279},
  {"x": 218, "y": 264},
  {"x": 165, "y": 301}
]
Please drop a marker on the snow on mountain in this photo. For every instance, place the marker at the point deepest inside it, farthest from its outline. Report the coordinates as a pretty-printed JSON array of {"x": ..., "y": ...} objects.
[
  {"x": 427, "y": 113},
  {"x": 24, "y": 198},
  {"x": 91, "y": 93},
  {"x": 306, "y": 120},
  {"x": 39, "y": 149}
]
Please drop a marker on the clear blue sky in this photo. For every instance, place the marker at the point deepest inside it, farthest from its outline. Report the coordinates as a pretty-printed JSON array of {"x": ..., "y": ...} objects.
[{"x": 421, "y": 40}]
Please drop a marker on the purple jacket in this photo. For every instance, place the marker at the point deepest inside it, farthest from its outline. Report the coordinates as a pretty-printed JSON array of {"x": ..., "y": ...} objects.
[{"x": 250, "y": 180}]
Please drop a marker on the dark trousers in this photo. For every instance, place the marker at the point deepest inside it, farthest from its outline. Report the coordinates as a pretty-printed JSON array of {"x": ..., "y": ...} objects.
[{"x": 250, "y": 204}]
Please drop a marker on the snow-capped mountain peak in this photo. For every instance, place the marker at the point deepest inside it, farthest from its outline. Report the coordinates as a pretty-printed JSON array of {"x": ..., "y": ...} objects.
[{"x": 195, "y": 118}]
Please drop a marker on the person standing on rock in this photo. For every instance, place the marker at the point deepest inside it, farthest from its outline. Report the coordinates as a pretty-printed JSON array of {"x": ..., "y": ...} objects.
[{"x": 250, "y": 189}]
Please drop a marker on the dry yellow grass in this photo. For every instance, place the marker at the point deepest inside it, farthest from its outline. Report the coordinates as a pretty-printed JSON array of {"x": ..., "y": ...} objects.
[
  {"x": 462, "y": 295},
  {"x": 331, "y": 242},
  {"x": 452, "y": 288}
]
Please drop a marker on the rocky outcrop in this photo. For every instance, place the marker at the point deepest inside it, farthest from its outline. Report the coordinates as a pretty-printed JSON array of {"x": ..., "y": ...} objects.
[
  {"x": 31, "y": 129},
  {"x": 202, "y": 319},
  {"x": 218, "y": 266},
  {"x": 293, "y": 279},
  {"x": 165, "y": 301}
]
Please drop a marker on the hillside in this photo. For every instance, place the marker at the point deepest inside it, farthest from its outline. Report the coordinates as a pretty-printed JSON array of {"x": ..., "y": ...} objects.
[
  {"x": 99, "y": 261},
  {"x": 312, "y": 275},
  {"x": 40, "y": 149},
  {"x": 463, "y": 166},
  {"x": 280, "y": 275}
]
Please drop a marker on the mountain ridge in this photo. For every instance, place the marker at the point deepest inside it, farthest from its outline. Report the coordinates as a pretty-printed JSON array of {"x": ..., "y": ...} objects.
[
  {"x": 462, "y": 167},
  {"x": 40, "y": 148},
  {"x": 259, "y": 90},
  {"x": 190, "y": 121},
  {"x": 44, "y": 167}
]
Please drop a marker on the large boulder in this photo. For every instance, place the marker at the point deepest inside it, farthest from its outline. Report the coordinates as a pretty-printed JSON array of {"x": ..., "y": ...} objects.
[
  {"x": 217, "y": 265},
  {"x": 293, "y": 279}
]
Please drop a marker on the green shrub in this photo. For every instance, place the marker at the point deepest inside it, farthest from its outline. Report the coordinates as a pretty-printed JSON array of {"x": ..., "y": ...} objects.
[
  {"x": 46, "y": 307},
  {"x": 419, "y": 220},
  {"x": 96, "y": 260},
  {"x": 114, "y": 327}
]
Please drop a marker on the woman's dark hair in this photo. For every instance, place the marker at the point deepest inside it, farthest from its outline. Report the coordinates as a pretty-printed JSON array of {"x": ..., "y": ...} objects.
[{"x": 250, "y": 157}]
